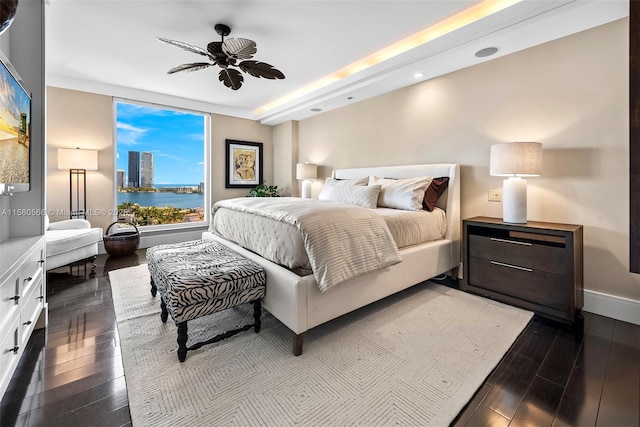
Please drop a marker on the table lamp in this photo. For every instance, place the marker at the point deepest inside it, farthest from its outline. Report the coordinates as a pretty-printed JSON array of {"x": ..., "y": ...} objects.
[
  {"x": 306, "y": 172},
  {"x": 515, "y": 160}
]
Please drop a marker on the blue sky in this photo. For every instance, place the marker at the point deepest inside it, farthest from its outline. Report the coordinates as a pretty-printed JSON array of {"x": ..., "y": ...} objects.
[{"x": 175, "y": 138}]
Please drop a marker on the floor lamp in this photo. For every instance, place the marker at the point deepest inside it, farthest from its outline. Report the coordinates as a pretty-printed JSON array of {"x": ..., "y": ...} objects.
[{"x": 78, "y": 162}]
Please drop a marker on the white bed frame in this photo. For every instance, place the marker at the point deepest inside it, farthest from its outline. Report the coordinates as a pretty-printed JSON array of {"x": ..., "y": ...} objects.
[{"x": 296, "y": 300}]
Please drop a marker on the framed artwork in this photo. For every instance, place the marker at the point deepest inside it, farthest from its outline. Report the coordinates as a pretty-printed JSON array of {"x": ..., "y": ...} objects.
[{"x": 243, "y": 164}]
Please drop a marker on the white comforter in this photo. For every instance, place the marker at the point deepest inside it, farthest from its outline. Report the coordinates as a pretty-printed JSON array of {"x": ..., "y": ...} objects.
[{"x": 342, "y": 241}]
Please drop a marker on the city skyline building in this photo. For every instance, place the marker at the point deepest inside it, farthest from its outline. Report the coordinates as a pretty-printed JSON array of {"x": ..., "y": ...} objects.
[
  {"x": 146, "y": 169},
  {"x": 121, "y": 178},
  {"x": 133, "y": 180}
]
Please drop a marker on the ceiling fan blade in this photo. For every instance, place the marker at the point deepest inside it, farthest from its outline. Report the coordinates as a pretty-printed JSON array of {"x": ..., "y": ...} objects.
[
  {"x": 239, "y": 48},
  {"x": 261, "y": 69},
  {"x": 195, "y": 66},
  {"x": 187, "y": 47},
  {"x": 231, "y": 78}
]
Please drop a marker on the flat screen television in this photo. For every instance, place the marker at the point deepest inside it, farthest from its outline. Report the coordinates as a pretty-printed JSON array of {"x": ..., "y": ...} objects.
[{"x": 15, "y": 131}]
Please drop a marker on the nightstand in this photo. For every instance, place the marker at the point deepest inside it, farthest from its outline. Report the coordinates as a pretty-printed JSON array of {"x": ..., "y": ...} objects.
[{"x": 536, "y": 266}]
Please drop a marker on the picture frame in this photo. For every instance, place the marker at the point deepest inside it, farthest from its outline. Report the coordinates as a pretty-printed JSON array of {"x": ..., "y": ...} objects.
[{"x": 243, "y": 164}]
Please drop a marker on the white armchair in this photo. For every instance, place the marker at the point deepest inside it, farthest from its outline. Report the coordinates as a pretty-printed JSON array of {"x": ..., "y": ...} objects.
[{"x": 71, "y": 242}]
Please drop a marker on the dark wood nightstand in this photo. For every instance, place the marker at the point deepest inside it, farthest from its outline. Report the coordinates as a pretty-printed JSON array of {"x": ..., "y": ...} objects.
[{"x": 536, "y": 266}]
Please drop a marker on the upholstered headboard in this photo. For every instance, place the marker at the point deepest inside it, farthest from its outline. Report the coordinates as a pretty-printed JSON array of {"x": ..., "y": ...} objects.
[{"x": 449, "y": 202}]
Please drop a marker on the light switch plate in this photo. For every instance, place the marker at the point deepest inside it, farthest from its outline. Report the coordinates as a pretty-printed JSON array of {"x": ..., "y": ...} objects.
[{"x": 495, "y": 195}]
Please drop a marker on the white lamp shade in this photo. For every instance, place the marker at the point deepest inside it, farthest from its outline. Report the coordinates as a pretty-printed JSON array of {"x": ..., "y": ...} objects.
[
  {"x": 306, "y": 171},
  {"x": 516, "y": 159},
  {"x": 75, "y": 158}
]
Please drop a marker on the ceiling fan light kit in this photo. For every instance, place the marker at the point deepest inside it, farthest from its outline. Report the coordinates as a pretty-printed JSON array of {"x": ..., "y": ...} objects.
[{"x": 226, "y": 54}]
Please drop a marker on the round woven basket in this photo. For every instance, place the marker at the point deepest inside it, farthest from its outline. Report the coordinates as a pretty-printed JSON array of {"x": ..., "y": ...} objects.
[{"x": 121, "y": 242}]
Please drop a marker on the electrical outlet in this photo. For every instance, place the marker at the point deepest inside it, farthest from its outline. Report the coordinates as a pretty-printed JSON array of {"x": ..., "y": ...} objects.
[{"x": 495, "y": 195}]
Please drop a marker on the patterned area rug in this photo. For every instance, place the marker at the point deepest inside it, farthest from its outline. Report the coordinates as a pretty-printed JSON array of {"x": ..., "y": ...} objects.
[{"x": 415, "y": 358}]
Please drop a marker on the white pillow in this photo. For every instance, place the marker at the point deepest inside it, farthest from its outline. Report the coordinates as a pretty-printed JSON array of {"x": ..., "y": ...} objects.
[
  {"x": 365, "y": 196},
  {"x": 406, "y": 194},
  {"x": 331, "y": 182}
]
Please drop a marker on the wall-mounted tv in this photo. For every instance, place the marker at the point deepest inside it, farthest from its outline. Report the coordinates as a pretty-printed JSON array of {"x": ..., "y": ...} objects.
[{"x": 15, "y": 131}]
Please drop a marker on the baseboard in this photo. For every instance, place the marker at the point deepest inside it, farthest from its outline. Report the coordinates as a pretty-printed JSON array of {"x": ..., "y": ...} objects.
[{"x": 619, "y": 308}]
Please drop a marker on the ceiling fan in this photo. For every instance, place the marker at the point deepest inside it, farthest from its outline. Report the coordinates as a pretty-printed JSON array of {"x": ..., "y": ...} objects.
[{"x": 226, "y": 54}]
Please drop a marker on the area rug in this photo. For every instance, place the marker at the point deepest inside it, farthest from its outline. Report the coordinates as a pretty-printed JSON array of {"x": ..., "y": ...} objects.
[{"x": 415, "y": 358}]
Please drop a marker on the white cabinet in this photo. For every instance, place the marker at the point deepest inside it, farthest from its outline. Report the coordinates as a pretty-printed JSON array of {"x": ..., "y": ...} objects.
[{"x": 23, "y": 306}]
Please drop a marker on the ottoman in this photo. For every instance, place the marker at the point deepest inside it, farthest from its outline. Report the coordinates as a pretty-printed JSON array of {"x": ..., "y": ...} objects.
[{"x": 202, "y": 277}]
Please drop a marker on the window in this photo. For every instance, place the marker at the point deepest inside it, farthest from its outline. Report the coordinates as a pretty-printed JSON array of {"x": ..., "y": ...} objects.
[{"x": 161, "y": 165}]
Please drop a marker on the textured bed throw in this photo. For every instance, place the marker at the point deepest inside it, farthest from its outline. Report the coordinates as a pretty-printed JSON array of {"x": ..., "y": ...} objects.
[{"x": 342, "y": 241}]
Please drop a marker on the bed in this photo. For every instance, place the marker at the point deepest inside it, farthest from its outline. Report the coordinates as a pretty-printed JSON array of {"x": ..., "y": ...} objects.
[{"x": 295, "y": 298}]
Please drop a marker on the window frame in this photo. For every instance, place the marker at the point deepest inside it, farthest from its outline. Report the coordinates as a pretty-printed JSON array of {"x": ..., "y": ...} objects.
[{"x": 207, "y": 170}]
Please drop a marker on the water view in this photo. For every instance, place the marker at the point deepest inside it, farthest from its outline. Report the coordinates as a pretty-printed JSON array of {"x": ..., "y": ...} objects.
[{"x": 163, "y": 199}]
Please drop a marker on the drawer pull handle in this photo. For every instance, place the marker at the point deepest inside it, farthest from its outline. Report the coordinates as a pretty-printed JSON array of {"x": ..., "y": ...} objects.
[
  {"x": 16, "y": 298},
  {"x": 41, "y": 261},
  {"x": 15, "y": 349},
  {"x": 514, "y": 242},
  {"x": 502, "y": 264},
  {"x": 28, "y": 322},
  {"x": 28, "y": 279}
]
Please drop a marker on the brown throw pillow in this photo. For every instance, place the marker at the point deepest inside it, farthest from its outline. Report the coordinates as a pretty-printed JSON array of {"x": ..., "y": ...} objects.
[{"x": 434, "y": 191}]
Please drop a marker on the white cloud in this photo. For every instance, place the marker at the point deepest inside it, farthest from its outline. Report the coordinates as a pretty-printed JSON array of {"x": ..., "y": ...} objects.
[{"x": 128, "y": 134}]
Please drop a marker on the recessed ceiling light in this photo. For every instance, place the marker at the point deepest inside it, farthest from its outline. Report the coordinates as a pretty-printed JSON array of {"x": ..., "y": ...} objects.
[
  {"x": 487, "y": 51},
  {"x": 315, "y": 110},
  {"x": 418, "y": 75}
]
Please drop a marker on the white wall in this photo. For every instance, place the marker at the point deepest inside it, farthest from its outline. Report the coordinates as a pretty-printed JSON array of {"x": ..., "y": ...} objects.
[
  {"x": 24, "y": 44},
  {"x": 570, "y": 94}
]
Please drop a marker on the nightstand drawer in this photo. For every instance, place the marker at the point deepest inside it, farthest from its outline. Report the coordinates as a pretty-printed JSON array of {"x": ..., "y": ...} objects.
[
  {"x": 550, "y": 257},
  {"x": 530, "y": 285}
]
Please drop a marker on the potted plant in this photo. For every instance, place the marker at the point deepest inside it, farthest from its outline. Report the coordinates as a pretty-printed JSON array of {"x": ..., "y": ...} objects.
[{"x": 264, "y": 190}]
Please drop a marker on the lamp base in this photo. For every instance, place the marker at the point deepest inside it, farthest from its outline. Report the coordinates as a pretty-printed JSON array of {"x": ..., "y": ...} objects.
[
  {"x": 306, "y": 189},
  {"x": 514, "y": 200}
]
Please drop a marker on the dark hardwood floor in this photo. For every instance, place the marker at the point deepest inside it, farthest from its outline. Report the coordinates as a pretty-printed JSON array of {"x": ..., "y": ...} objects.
[{"x": 72, "y": 374}]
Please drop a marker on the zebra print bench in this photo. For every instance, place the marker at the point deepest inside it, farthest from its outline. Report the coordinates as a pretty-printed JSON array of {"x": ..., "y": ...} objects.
[{"x": 202, "y": 277}]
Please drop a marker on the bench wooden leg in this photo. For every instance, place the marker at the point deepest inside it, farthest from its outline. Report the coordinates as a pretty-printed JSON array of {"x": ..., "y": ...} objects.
[
  {"x": 154, "y": 289},
  {"x": 298, "y": 340},
  {"x": 182, "y": 341},
  {"x": 164, "y": 315},
  {"x": 257, "y": 311}
]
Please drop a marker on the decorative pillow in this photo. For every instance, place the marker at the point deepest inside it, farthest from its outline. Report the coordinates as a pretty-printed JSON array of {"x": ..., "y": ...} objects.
[
  {"x": 359, "y": 181},
  {"x": 406, "y": 194},
  {"x": 365, "y": 196},
  {"x": 434, "y": 191},
  {"x": 331, "y": 182}
]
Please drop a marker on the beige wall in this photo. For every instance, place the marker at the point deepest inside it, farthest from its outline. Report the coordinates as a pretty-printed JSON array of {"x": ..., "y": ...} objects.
[
  {"x": 85, "y": 120},
  {"x": 570, "y": 94},
  {"x": 226, "y": 127},
  {"x": 80, "y": 119},
  {"x": 285, "y": 155}
]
